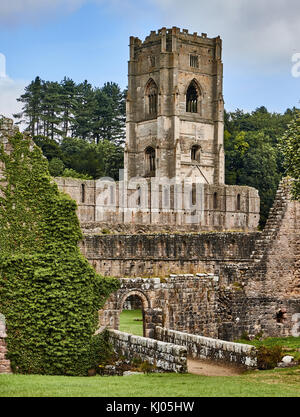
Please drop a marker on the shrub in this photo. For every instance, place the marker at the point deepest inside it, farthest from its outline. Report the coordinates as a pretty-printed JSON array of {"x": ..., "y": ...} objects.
[
  {"x": 268, "y": 357},
  {"x": 146, "y": 367}
]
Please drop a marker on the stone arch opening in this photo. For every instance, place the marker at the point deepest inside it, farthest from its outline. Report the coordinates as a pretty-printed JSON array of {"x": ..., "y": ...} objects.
[{"x": 133, "y": 310}]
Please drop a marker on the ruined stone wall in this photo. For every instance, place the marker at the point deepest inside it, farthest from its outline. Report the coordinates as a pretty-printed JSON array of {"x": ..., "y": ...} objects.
[
  {"x": 269, "y": 300},
  {"x": 166, "y": 357},
  {"x": 147, "y": 255},
  {"x": 105, "y": 204},
  {"x": 199, "y": 347},
  {"x": 186, "y": 303}
]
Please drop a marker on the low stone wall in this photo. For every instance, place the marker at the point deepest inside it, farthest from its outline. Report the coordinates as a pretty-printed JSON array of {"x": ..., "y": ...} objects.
[
  {"x": 165, "y": 356},
  {"x": 200, "y": 347}
]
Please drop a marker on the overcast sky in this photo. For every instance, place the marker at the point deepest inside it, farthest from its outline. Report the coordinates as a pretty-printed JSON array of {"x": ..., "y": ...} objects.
[{"x": 88, "y": 39}]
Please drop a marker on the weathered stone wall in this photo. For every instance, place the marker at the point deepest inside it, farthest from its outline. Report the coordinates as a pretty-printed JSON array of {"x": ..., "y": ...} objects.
[
  {"x": 186, "y": 303},
  {"x": 166, "y": 357},
  {"x": 268, "y": 300},
  {"x": 105, "y": 205},
  {"x": 147, "y": 255},
  {"x": 199, "y": 347}
]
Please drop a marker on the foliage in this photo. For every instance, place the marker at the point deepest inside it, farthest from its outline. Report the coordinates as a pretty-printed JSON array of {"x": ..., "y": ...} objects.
[
  {"x": 146, "y": 367},
  {"x": 57, "y": 110},
  {"x": 56, "y": 167},
  {"x": 49, "y": 293},
  {"x": 268, "y": 357},
  {"x": 71, "y": 173},
  {"x": 290, "y": 147},
  {"x": 252, "y": 154},
  {"x": 101, "y": 351}
]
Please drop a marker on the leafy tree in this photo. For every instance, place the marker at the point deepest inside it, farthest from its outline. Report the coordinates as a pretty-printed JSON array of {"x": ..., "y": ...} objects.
[
  {"x": 56, "y": 167},
  {"x": 251, "y": 160},
  {"x": 290, "y": 147}
]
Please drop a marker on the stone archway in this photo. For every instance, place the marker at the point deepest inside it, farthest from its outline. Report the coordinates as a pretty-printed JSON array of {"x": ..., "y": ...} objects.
[
  {"x": 109, "y": 316},
  {"x": 147, "y": 311}
]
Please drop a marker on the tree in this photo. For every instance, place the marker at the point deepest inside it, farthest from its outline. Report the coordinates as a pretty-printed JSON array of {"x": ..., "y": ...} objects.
[
  {"x": 290, "y": 147},
  {"x": 56, "y": 167},
  {"x": 251, "y": 160}
]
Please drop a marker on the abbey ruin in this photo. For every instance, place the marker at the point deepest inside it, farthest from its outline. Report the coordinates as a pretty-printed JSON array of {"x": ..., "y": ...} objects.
[{"x": 180, "y": 240}]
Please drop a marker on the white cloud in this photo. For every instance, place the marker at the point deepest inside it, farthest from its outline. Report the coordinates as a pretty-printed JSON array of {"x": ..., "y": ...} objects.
[
  {"x": 10, "y": 90},
  {"x": 262, "y": 33}
]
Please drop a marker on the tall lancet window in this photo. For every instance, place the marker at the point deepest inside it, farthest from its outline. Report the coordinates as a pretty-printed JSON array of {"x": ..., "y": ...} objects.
[
  {"x": 150, "y": 162},
  {"x": 151, "y": 93},
  {"x": 192, "y": 98}
]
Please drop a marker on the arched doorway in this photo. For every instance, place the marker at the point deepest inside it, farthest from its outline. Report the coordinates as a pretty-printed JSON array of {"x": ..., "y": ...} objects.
[
  {"x": 131, "y": 317},
  {"x": 134, "y": 306}
]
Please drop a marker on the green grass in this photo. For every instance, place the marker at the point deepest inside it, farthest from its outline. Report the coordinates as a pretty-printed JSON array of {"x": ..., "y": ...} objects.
[
  {"x": 290, "y": 345},
  {"x": 131, "y": 321},
  {"x": 275, "y": 383}
]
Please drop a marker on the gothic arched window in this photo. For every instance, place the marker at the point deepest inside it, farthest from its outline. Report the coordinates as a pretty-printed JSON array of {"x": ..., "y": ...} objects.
[
  {"x": 192, "y": 98},
  {"x": 150, "y": 161},
  {"x": 151, "y": 93}
]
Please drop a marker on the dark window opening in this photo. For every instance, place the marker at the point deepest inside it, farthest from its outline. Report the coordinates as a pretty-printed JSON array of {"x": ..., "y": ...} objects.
[
  {"x": 192, "y": 99},
  {"x": 139, "y": 196},
  {"x": 195, "y": 153},
  {"x": 83, "y": 193},
  {"x": 194, "y": 61},
  {"x": 238, "y": 202},
  {"x": 193, "y": 194},
  {"x": 280, "y": 316},
  {"x": 150, "y": 161},
  {"x": 151, "y": 93}
]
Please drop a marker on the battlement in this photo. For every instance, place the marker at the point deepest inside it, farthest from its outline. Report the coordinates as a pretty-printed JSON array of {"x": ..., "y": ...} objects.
[
  {"x": 174, "y": 31},
  {"x": 160, "y": 36}
]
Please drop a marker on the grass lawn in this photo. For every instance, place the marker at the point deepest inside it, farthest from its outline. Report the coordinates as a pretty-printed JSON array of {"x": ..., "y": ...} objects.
[
  {"x": 290, "y": 345},
  {"x": 131, "y": 321},
  {"x": 274, "y": 383}
]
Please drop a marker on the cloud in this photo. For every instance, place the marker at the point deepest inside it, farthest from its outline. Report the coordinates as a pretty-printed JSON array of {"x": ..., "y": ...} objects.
[
  {"x": 10, "y": 90},
  {"x": 13, "y": 12},
  {"x": 260, "y": 33}
]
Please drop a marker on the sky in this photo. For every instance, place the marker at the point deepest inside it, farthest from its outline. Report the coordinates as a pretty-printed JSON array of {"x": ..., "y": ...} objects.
[{"x": 88, "y": 40}]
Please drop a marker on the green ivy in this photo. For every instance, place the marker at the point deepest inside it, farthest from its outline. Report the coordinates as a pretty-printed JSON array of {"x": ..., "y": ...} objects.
[{"x": 49, "y": 293}]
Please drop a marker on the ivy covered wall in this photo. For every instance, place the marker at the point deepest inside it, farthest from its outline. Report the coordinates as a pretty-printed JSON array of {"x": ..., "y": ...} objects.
[{"x": 49, "y": 293}]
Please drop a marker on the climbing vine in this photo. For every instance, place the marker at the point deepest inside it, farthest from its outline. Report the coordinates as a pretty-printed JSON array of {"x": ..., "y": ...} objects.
[{"x": 49, "y": 293}]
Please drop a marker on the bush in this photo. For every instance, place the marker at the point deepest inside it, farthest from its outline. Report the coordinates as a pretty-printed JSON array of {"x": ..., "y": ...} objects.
[{"x": 268, "y": 357}]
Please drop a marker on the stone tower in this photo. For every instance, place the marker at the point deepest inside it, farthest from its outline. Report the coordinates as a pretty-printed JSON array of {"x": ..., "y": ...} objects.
[{"x": 175, "y": 107}]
